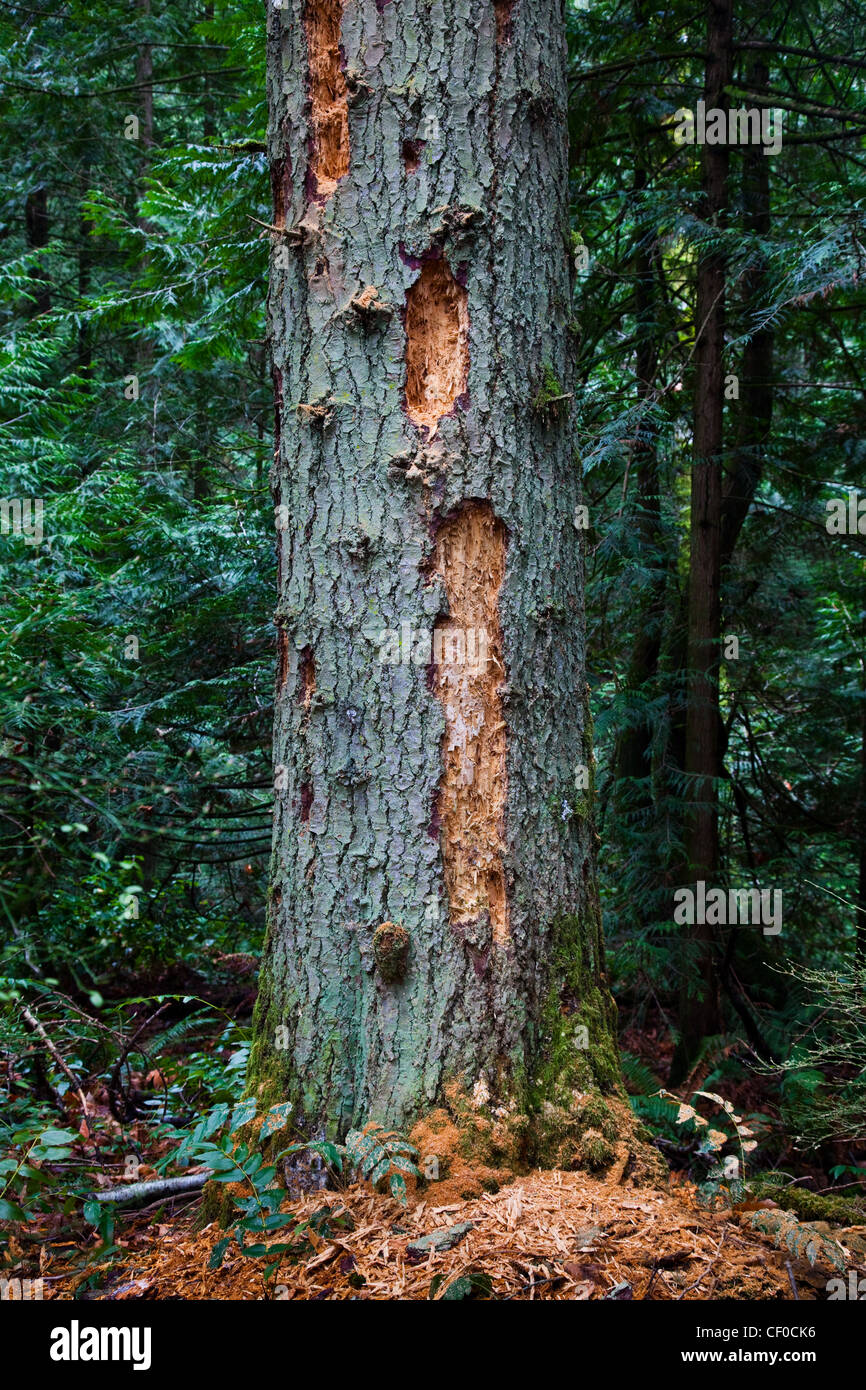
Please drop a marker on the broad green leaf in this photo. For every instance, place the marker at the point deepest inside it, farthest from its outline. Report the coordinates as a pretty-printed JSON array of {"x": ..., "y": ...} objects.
[
  {"x": 217, "y": 1255},
  {"x": 276, "y": 1119},
  {"x": 242, "y": 1114}
]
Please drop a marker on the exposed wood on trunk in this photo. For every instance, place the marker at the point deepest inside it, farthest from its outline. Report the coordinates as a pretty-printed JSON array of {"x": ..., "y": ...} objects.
[
  {"x": 437, "y": 344},
  {"x": 503, "y": 10},
  {"x": 330, "y": 116},
  {"x": 468, "y": 673}
]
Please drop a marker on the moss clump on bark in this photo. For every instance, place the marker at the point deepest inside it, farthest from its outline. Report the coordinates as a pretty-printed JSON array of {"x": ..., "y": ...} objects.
[
  {"x": 391, "y": 949},
  {"x": 595, "y": 1151},
  {"x": 483, "y": 1141},
  {"x": 269, "y": 1064},
  {"x": 454, "y": 1158},
  {"x": 550, "y": 396}
]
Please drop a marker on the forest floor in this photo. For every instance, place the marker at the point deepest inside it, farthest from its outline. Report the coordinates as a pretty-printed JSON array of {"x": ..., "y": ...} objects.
[
  {"x": 477, "y": 1233},
  {"x": 551, "y": 1235}
]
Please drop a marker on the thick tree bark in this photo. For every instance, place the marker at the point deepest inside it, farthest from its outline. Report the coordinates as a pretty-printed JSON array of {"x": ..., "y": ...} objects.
[
  {"x": 700, "y": 1012},
  {"x": 427, "y": 483}
]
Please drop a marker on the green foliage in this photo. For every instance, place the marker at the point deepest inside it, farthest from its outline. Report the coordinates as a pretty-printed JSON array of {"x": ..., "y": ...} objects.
[
  {"x": 257, "y": 1195},
  {"x": 156, "y": 514},
  {"x": 725, "y": 1181},
  {"x": 120, "y": 1054},
  {"x": 373, "y": 1153},
  {"x": 824, "y": 1079},
  {"x": 790, "y": 784},
  {"x": 381, "y": 1155},
  {"x": 43, "y": 1173},
  {"x": 639, "y": 1080},
  {"x": 473, "y": 1285},
  {"x": 803, "y": 1240}
]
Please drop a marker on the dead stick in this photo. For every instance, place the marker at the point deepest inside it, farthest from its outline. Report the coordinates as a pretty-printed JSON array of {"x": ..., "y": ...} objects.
[
  {"x": 792, "y": 1279},
  {"x": 32, "y": 1022},
  {"x": 134, "y": 1192}
]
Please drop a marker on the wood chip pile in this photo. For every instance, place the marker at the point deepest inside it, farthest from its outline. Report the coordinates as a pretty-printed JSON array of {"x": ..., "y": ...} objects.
[{"x": 552, "y": 1235}]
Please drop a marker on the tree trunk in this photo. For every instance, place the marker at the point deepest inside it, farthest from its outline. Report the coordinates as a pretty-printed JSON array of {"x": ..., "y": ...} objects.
[
  {"x": 633, "y": 753},
  {"x": 860, "y": 817},
  {"x": 433, "y": 911},
  {"x": 38, "y": 227},
  {"x": 84, "y": 338},
  {"x": 144, "y": 85},
  {"x": 700, "y": 1013},
  {"x": 756, "y": 405}
]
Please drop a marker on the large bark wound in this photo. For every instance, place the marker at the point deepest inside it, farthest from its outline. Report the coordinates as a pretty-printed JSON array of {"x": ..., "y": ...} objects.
[
  {"x": 437, "y": 352},
  {"x": 329, "y": 155},
  {"x": 470, "y": 558}
]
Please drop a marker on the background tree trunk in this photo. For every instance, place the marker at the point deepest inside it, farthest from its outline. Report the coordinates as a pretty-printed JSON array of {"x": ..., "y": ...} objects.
[
  {"x": 426, "y": 480},
  {"x": 635, "y": 744},
  {"x": 38, "y": 235},
  {"x": 755, "y": 410},
  {"x": 700, "y": 1012}
]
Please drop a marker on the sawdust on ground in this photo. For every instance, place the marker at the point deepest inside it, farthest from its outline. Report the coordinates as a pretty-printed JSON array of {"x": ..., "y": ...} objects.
[{"x": 550, "y": 1235}]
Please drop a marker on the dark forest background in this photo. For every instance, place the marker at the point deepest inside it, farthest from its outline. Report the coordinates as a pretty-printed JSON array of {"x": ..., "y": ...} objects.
[{"x": 137, "y": 645}]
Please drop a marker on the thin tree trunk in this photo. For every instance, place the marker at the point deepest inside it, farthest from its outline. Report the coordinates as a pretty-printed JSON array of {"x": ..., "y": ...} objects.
[
  {"x": 860, "y": 819},
  {"x": 755, "y": 411},
  {"x": 755, "y": 408},
  {"x": 84, "y": 342},
  {"x": 700, "y": 1013},
  {"x": 144, "y": 82},
  {"x": 633, "y": 754},
  {"x": 208, "y": 122},
  {"x": 38, "y": 229},
  {"x": 31, "y": 876},
  {"x": 433, "y": 912}
]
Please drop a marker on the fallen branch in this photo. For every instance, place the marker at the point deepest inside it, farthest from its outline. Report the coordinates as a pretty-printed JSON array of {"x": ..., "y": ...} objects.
[
  {"x": 135, "y": 1192},
  {"x": 32, "y": 1024}
]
